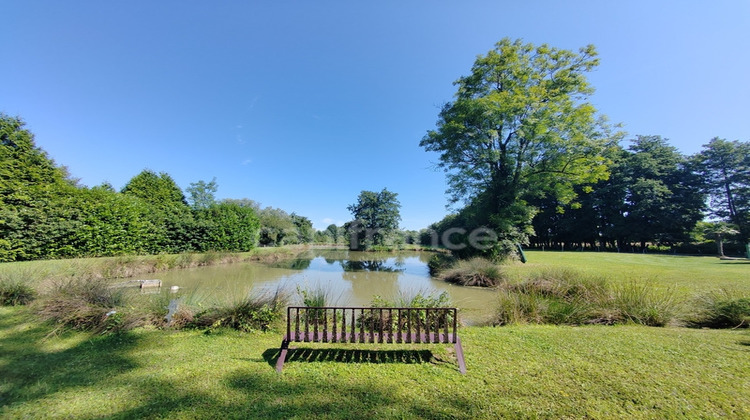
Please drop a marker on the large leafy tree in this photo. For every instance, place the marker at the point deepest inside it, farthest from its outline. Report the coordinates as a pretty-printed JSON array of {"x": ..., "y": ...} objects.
[
  {"x": 36, "y": 218},
  {"x": 519, "y": 127},
  {"x": 202, "y": 194},
  {"x": 158, "y": 189},
  {"x": 651, "y": 196},
  {"x": 376, "y": 218},
  {"x": 725, "y": 166},
  {"x": 169, "y": 214},
  {"x": 663, "y": 199}
]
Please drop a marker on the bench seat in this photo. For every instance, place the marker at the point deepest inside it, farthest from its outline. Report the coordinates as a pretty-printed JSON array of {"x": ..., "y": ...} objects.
[{"x": 375, "y": 325}]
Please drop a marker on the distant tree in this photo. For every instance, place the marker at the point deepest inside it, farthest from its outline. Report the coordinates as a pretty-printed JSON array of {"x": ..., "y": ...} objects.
[
  {"x": 202, "y": 194},
  {"x": 276, "y": 227},
  {"x": 519, "y": 127},
  {"x": 305, "y": 231},
  {"x": 725, "y": 166},
  {"x": 719, "y": 231},
  {"x": 376, "y": 218},
  {"x": 651, "y": 196},
  {"x": 663, "y": 200}
]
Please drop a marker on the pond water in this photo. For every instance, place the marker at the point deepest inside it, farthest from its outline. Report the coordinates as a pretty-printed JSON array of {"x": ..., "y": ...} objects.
[{"x": 351, "y": 278}]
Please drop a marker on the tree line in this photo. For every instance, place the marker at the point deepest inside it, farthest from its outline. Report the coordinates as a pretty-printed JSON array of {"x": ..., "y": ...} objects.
[
  {"x": 527, "y": 157},
  {"x": 44, "y": 213}
]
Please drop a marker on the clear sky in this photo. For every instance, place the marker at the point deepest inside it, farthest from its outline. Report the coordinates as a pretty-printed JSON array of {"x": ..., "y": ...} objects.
[{"x": 301, "y": 105}]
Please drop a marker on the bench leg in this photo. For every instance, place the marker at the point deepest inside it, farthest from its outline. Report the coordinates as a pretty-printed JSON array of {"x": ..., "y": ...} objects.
[
  {"x": 282, "y": 356},
  {"x": 460, "y": 356}
]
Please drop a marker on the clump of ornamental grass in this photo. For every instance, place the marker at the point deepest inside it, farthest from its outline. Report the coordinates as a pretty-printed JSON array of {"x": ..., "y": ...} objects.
[
  {"x": 564, "y": 296},
  {"x": 641, "y": 303},
  {"x": 552, "y": 296},
  {"x": 315, "y": 297},
  {"x": 15, "y": 292},
  {"x": 477, "y": 271},
  {"x": 88, "y": 305},
  {"x": 723, "y": 308},
  {"x": 253, "y": 312},
  {"x": 15, "y": 288}
]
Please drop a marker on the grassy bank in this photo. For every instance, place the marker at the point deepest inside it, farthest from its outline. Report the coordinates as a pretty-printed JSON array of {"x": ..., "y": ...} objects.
[
  {"x": 528, "y": 371},
  {"x": 42, "y": 274}
]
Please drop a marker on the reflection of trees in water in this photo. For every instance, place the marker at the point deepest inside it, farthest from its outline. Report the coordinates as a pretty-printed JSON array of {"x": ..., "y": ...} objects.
[
  {"x": 372, "y": 265},
  {"x": 333, "y": 256},
  {"x": 293, "y": 264}
]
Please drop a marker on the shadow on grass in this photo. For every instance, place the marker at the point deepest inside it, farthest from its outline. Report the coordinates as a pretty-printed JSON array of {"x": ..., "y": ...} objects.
[
  {"x": 35, "y": 371},
  {"x": 31, "y": 371},
  {"x": 310, "y": 355},
  {"x": 339, "y": 397}
]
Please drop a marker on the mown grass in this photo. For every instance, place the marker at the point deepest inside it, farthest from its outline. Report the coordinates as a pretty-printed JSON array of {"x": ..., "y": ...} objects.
[
  {"x": 687, "y": 275},
  {"x": 517, "y": 371}
]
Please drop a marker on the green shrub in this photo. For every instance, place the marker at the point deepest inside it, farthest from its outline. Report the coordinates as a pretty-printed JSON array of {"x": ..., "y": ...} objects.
[
  {"x": 725, "y": 308},
  {"x": 408, "y": 299}
]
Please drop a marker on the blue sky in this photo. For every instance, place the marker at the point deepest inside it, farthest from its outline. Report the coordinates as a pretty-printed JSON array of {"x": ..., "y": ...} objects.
[{"x": 302, "y": 105}]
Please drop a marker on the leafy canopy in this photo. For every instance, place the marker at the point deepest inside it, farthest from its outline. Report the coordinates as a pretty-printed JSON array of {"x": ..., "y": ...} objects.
[{"x": 520, "y": 127}]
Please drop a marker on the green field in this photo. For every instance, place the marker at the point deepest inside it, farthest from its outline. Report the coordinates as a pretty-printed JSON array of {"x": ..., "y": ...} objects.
[
  {"x": 687, "y": 275},
  {"x": 535, "y": 371}
]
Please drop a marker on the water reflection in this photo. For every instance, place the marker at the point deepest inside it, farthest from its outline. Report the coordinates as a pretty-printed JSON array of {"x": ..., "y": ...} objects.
[{"x": 352, "y": 278}]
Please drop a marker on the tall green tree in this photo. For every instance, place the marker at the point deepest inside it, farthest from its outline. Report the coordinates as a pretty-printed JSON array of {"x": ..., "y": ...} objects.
[
  {"x": 519, "y": 127},
  {"x": 202, "y": 194},
  {"x": 158, "y": 189},
  {"x": 376, "y": 218},
  {"x": 36, "y": 219},
  {"x": 725, "y": 166},
  {"x": 227, "y": 226},
  {"x": 305, "y": 231},
  {"x": 663, "y": 199},
  {"x": 170, "y": 213}
]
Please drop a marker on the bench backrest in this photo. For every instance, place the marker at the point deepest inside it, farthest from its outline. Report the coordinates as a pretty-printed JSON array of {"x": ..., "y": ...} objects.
[{"x": 340, "y": 324}]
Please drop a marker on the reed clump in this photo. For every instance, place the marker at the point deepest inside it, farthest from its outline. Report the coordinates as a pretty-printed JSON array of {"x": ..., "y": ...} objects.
[{"x": 565, "y": 296}]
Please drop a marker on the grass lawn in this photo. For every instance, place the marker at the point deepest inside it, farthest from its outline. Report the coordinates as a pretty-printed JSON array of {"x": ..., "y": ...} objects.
[
  {"x": 518, "y": 371},
  {"x": 523, "y": 371},
  {"x": 687, "y": 275}
]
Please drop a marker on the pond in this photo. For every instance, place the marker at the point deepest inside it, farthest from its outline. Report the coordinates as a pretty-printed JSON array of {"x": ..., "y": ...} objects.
[{"x": 351, "y": 279}]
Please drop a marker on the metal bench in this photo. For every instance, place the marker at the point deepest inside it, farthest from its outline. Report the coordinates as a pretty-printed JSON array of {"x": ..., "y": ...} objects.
[{"x": 386, "y": 325}]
